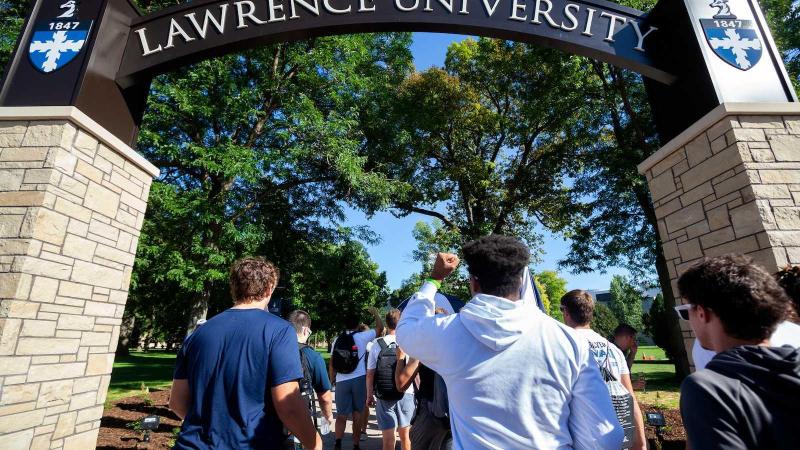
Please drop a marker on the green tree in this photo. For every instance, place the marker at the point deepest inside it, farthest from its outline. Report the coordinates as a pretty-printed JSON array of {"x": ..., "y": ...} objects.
[
  {"x": 338, "y": 281},
  {"x": 626, "y": 302},
  {"x": 604, "y": 322},
  {"x": 547, "y": 302},
  {"x": 12, "y": 16},
  {"x": 555, "y": 287},
  {"x": 655, "y": 322},
  {"x": 275, "y": 127},
  {"x": 489, "y": 141},
  {"x": 784, "y": 21}
]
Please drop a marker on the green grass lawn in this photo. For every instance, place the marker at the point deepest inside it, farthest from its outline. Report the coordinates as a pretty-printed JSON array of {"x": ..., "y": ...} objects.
[
  {"x": 662, "y": 388},
  {"x": 651, "y": 350},
  {"x": 153, "y": 368}
]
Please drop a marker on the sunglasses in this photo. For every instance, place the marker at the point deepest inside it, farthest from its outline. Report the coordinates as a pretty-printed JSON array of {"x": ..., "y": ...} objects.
[{"x": 683, "y": 311}]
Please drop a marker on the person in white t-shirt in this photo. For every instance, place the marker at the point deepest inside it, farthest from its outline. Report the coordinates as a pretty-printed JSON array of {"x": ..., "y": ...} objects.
[
  {"x": 351, "y": 394},
  {"x": 578, "y": 309},
  {"x": 394, "y": 415},
  {"x": 787, "y": 332}
]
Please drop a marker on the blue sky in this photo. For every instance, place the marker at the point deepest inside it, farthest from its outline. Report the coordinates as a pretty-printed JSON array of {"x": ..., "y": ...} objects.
[{"x": 393, "y": 253}]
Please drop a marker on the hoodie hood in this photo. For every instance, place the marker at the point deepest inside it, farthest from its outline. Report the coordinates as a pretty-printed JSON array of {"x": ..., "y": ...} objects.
[
  {"x": 771, "y": 372},
  {"x": 497, "y": 322}
]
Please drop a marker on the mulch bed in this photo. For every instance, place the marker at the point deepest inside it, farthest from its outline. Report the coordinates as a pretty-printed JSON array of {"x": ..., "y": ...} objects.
[
  {"x": 673, "y": 434},
  {"x": 115, "y": 427},
  {"x": 116, "y": 431}
]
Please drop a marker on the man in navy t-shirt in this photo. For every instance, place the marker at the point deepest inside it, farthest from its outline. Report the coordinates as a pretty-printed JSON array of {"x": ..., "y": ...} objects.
[{"x": 236, "y": 377}]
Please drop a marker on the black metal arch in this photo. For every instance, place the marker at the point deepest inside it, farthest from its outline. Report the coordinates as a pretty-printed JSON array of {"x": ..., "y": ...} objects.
[{"x": 199, "y": 30}]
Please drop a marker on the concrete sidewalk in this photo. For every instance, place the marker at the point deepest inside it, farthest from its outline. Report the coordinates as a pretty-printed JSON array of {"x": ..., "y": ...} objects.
[{"x": 373, "y": 442}]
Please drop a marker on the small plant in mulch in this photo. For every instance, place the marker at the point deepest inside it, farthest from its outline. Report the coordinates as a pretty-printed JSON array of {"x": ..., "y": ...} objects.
[
  {"x": 144, "y": 394},
  {"x": 116, "y": 433},
  {"x": 175, "y": 432}
]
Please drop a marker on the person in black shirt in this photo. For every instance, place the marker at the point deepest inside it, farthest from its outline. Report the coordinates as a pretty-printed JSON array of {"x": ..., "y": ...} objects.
[{"x": 746, "y": 398}]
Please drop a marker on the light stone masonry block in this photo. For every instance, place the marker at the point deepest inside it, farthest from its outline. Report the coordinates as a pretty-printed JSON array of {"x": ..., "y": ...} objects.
[
  {"x": 21, "y": 309},
  {"x": 104, "y": 230},
  {"x": 56, "y": 371},
  {"x": 83, "y": 440},
  {"x": 14, "y": 365},
  {"x": 75, "y": 290},
  {"x": 45, "y": 359},
  {"x": 73, "y": 210},
  {"x": 9, "y": 333},
  {"x": 46, "y": 346},
  {"x": 761, "y": 122},
  {"x": 38, "y": 328},
  {"x": 90, "y": 273},
  {"x": 99, "y": 364},
  {"x": 90, "y": 172},
  {"x": 785, "y": 147},
  {"x": 21, "y": 421},
  {"x": 20, "y": 393},
  {"x": 11, "y": 180},
  {"x": 20, "y": 440},
  {"x": 102, "y": 200}
]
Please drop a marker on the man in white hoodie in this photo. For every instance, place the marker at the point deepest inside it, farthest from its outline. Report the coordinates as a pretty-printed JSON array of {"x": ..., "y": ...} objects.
[{"x": 515, "y": 377}]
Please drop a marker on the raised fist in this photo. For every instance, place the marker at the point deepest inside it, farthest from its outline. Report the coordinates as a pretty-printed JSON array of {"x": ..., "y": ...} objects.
[{"x": 446, "y": 263}]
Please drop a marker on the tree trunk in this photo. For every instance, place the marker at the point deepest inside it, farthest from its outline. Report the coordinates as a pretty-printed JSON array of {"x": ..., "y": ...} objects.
[
  {"x": 125, "y": 335},
  {"x": 199, "y": 308}
]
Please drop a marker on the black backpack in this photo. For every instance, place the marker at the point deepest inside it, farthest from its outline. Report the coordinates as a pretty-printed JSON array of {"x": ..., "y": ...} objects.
[
  {"x": 344, "y": 355},
  {"x": 385, "y": 387},
  {"x": 307, "y": 386}
]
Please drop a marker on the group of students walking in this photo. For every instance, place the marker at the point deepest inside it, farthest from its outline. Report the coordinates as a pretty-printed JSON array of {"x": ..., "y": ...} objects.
[{"x": 495, "y": 373}]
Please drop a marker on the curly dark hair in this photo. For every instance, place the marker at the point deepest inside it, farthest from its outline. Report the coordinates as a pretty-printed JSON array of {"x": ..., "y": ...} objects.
[
  {"x": 789, "y": 279},
  {"x": 580, "y": 306},
  {"x": 497, "y": 261},
  {"x": 745, "y": 297},
  {"x": 251, "y": 278}
]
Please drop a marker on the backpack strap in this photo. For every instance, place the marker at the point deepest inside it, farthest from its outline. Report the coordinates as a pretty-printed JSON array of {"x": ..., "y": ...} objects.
[
  {"x": 606, "y": 367},
  {"x": 382, "y": 343}
]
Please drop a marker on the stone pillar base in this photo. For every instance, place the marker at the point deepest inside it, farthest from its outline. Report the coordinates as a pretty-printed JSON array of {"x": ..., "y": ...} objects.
[
  {"x": 72, "y": 202},
  {"x": 730, "y": 184}
]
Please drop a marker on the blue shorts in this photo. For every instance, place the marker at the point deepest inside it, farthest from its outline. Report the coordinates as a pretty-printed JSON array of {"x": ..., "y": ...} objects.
[
  {"x": 351, "y": 395},
  {"x": 395, "y": 413}
]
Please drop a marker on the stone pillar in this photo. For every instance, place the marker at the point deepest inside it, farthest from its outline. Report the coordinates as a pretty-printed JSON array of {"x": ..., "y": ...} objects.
[
  {"x": 72, "y": 202},
  {"x": 729, "y": 184}
]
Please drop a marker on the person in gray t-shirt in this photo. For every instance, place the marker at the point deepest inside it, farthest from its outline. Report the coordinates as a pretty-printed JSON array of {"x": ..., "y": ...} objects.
[{"x": 746, "y": 398}]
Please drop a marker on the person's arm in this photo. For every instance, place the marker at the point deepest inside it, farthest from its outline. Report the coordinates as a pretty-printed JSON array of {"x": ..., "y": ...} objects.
[
  {"x": 639, "y": 440},
  {"x": 593, "y": 422},
  {"x": 419, "y": 329},
  {"x": 294, "y": 414},
  {"x": 331, "y": 372},
  {"x": 283, "y": 371},
  {"x": 180, "y": 398},
  {"x": 321, "y": 383},
  {"x": 376, "y": 315},
  {"x": 405, "y": 372},
  {"x": 632, "y": 354},
  {"x": 370, "y": 391},
  {"x": 326, "y": 405}
]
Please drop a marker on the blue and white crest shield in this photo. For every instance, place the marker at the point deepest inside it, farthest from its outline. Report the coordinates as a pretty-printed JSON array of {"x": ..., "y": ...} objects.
[
  {"x": 57, "y": 42},
  {"x": 735, "y": 41}
]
